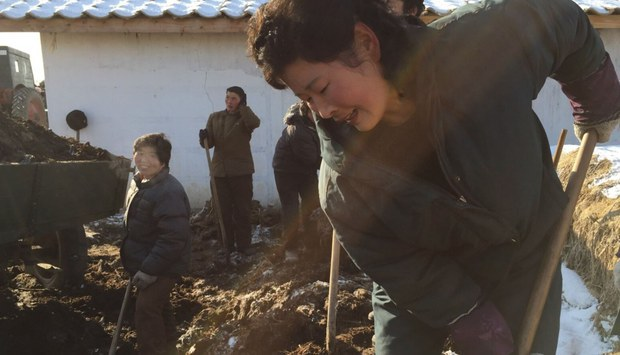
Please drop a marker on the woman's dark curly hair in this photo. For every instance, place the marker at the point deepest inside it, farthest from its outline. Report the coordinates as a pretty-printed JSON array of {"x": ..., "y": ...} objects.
[
  {"x": 282, "y": 31},
  {"x": 159, "y": 141}
]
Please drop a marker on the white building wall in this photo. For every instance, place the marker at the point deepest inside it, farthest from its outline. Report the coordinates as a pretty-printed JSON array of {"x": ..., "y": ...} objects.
[
  {"x": 132, "y": 84},
  {"x": 553, "y": 108}
]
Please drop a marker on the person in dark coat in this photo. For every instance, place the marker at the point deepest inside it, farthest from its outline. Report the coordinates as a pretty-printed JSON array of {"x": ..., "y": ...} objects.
[
  {"x": 230, "y": 131},
  {"x": 157, "y": 245},
  {"x": 296, "y": 159},
  {"x": 437, "y": 174}
]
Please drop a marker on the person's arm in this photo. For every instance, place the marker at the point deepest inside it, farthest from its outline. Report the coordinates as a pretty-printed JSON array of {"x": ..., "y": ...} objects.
[
  {"x": 249, "y": 119},
  {"x": 210, "y": 131},
  {"x": 173, "y": 233},
  {"x": 574, "y": 55}
]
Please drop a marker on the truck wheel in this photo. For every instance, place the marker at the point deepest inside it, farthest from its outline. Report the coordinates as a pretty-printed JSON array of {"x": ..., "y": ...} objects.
[
  {"x": 61, "y": 260},
  {"x": 28, "y": 105}
]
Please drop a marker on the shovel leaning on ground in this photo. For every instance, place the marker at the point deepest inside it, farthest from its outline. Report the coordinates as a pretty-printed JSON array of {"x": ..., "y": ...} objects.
[
  {"x": 332, "y": 298},
  {"x": 216, "y": 203},
  {"x": 117, "y": 331},
  {"x": 553, "y": 252}
]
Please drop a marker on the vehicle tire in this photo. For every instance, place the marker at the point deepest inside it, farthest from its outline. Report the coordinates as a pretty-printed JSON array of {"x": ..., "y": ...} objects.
[
  {"x": 61, "y": 259},
  {"x": 29, "y": 105}
]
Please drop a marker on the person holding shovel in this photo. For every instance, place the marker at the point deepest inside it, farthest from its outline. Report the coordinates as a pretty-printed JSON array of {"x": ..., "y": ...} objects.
[
  {"x": 437, "y": 174},
  {"x": 157, "y": 245},
  {"x": 230, "y": 131}
]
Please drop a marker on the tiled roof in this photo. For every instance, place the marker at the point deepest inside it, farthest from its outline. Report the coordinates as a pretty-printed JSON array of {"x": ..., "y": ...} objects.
[{"x": 72, "y": 9}]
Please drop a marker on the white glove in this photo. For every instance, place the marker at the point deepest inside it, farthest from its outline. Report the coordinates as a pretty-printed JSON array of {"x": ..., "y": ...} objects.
[
  {"x": 617, "y": 275},
  {"x": 604, "y": 129},
  {"x": 142, "y": 280}
]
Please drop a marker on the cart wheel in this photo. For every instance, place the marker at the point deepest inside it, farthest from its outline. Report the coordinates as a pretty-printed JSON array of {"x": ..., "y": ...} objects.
[{"x": 61, "y": 259}]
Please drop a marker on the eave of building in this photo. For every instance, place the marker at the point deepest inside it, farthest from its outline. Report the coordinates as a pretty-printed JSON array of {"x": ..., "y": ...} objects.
[{"x": 177, "y": 25}]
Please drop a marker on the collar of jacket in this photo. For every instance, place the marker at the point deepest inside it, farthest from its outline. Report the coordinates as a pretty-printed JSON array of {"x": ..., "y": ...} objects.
[{"x": 154, "y": 181}]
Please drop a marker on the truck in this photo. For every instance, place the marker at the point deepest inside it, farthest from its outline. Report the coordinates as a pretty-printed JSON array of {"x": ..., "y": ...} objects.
[
  {"x": 45, "y": 204},
  {"x": 18, "y": 92}
]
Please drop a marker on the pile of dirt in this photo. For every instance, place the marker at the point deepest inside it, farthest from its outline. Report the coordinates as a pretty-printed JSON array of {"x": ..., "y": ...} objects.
[
  {"x": 25, "y": 141},
  {"x": 258, "y": 304}
]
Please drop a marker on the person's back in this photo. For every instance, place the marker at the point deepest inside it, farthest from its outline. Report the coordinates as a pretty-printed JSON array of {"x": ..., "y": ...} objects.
[{"x": 295, "y": 162}]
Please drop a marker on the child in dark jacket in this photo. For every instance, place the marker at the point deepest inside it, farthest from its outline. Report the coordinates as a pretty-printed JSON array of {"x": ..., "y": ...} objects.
[
  {"x": 156, "y": 248},
  {"x": 437, "y": 174},
  {"x": 295, "y": 162}
]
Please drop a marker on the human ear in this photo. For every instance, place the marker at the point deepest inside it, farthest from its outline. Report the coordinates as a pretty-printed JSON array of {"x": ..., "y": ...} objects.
[{"x": 366, "y": 43}]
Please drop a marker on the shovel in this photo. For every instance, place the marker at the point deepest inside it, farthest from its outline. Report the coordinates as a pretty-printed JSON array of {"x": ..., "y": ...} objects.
[
  {"x": 120, "y": 319},
  {"x": 216, "y": 201},
  {"x": 553, "y": 252},
  {"x": 332, "y": 298}
]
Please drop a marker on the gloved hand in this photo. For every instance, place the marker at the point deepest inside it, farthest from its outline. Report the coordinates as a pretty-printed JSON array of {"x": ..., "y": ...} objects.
[
  {"x": 603, "y": 129},
  {"x": 617, "y": 275},
  {"x": 483, "y": 331},
  {"x": 142, "y": 280},
  {"x": 202, "y": 134}
]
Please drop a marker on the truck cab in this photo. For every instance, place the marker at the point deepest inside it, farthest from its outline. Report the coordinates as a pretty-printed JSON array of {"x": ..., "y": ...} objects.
[{"x": 18, "y": 95}]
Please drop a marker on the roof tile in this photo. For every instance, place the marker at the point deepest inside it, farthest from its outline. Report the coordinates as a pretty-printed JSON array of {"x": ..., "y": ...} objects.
[{"x": 45, "y": 9}]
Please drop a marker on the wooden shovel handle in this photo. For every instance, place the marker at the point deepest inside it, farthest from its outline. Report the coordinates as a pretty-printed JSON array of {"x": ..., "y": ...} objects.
[
  {"x": 119, "y": 323},
  {"x": 216, "y": 202},
  {"x": 556, "y": 243},
  {"x": 332, "y": 298}
]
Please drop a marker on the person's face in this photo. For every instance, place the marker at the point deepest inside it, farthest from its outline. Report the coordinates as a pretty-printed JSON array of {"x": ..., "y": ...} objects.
[
  {"x": 232, "y": 101},
  {"x": 356, "y": 95},
  {"x": 147, "y": 162}
]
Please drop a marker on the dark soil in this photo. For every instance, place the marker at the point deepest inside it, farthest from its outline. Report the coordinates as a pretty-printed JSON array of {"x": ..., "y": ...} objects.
[
  {"x": 255, "y": 304},
  {"x": 25, "y": 141}
]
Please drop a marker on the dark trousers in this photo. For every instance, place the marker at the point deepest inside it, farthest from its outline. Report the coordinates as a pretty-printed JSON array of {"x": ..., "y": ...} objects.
[
  {"x": 235, "y": 198},
  {"x": 399, "y": 332},
  {"x": 154, "y": 317},
  {"x": 291, "y": 188}
]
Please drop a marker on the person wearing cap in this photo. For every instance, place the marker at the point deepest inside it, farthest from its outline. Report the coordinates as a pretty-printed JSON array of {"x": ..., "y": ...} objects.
[{"x": 229, "y": 133}]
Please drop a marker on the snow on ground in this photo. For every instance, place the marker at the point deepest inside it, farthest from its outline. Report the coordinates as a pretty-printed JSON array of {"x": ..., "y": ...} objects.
[{"x": 578, "y": 336}]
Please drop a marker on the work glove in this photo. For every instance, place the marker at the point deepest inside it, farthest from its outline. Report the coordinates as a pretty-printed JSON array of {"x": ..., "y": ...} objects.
[
  {"x": 603, "y": 129},
  {"x": 483, "y": 331},
  {"x": 142, "y": 280},
  {"x": 202, "y": 134}
]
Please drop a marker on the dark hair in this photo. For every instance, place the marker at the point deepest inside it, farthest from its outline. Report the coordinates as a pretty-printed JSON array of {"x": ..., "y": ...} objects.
[
  {"x": 282, "y": 31},
  {"x": 410, "y": 5},
  {"x": 162, "y": 145},
  {"x": 239, "y": 91}
]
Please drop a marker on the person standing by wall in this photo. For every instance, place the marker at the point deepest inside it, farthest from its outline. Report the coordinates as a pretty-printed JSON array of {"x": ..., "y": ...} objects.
[
  {"x": 295, "y": 163},
  {"x": 229, "y": 132},
  {"x": 157, "y": 245}
]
